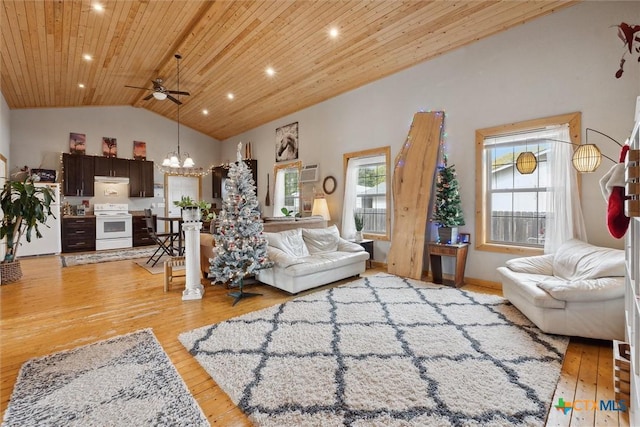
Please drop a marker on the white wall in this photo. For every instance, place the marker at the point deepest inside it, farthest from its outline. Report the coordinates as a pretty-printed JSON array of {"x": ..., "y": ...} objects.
[
  {"x": 5, "y": 127},
  {"x": 557, "y": 64},
  {"x": 38, "y": 136}
]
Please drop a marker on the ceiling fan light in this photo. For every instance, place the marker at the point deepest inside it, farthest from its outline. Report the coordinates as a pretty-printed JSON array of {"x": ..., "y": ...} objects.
[
  {"x": 526, "y": 163},
  {"x": 160, "y": 96},
  {"x": 188, "y": 162},
  {"x": 586, "y": 158}
]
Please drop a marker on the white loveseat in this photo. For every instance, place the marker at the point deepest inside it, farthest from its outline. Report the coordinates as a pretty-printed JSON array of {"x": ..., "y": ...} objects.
[
  {"x": 305, "y": 258},
  {"x": 577, "y": 291}
]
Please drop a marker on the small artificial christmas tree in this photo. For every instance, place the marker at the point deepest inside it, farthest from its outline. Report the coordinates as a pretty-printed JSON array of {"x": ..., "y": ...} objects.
[
  {"x": 448, "y": 207},
  {"x": 240, "y": 248}
]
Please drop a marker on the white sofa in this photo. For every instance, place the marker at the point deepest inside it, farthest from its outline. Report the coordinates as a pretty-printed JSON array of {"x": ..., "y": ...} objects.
[
  {"x": 305, "y": 258},
  {"x": 577, "y": 291}
]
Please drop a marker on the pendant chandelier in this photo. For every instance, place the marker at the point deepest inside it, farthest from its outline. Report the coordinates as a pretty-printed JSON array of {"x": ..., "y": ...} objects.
[{"x": 177, "y": 163}]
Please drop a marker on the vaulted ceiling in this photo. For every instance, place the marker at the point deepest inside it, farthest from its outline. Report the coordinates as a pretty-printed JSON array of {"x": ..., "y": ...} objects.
[{"x": 226, "y": 48}]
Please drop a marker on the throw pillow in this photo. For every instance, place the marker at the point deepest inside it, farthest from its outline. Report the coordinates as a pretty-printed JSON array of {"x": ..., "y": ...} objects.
[
  {"x": 321, "y": 240},
  {"x": 290, "y": 242}
]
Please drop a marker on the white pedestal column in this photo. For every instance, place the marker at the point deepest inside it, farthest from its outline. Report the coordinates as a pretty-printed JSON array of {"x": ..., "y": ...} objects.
[{"x": 193, "y": 289}]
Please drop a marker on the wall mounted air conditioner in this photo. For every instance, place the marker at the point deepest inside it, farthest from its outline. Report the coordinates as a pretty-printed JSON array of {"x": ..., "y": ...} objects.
[{"x": 310, "y": 173}]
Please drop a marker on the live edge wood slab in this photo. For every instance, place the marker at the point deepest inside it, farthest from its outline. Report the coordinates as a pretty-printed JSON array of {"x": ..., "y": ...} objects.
[{"x": 413, "y": 175}]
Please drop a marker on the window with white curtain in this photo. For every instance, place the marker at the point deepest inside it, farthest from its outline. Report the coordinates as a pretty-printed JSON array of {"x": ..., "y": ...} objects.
[
  {"x": 286, "y": 192},
  {"x": 367, "y": 192},
  {"x": 534, "y": 212}
]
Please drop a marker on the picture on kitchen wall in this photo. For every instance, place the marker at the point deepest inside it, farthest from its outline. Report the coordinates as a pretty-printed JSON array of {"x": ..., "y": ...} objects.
[
  {"x": 139, "y": 150},
  {"x": 77, "y": 143},
  {"x": 109, "y": 147},
  {"x": 287, "y": 142}
]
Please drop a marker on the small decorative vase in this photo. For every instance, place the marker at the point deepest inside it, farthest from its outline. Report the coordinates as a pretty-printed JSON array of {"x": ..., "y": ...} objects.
[
  {"x": 359, "y": 237},
  {"x": 448, "y": 235}
]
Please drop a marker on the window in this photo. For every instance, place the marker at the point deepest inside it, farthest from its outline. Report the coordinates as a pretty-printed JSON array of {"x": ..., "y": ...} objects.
[
  {"x": 286, "y": 193},
  {"x": 514, "y": 209},
  {"x": 367, "y": 192}
]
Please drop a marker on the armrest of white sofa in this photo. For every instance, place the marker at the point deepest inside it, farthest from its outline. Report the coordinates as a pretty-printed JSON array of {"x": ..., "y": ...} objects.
[
  {"x": 347, "y": 246},
  {"x": 280, "y": 258},
  {"x": 539, "y": 264}
]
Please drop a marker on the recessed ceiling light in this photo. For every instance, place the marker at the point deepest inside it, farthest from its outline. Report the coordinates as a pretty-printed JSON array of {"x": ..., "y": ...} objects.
[
  {"x": 81, "y": 85},
  {"x": 230, "y": 95},
  {"x": 333, "y": 32},
  {"x": 205, "y": 112},
  {"x": 270, "y": 71},
  {"x": 98, "y": 7},
  {"x": 87, "y": 57}
]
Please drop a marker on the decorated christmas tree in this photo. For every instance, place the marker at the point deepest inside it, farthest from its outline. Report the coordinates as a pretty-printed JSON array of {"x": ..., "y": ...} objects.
[
  {"x": 240, "y": 248},
  {"x": 448, "y": 207}
]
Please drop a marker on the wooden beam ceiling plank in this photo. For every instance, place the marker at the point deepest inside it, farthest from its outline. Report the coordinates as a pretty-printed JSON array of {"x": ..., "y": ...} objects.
[
  {"x": 36, "y": 31},
  {"x": 12, "y": 78},
  {"x": 260, "y": 49},
  {"x": 49, "y": 25},
  {"x": 79, "y": 44},
  {"x": 26, "y": 58},
  {"x": 108, "y": 53}
]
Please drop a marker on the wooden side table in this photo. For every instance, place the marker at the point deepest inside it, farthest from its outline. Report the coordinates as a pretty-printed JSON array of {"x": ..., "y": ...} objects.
[
  {"x": 437, "y": 251},
  {"x": 367, "y": 244}
]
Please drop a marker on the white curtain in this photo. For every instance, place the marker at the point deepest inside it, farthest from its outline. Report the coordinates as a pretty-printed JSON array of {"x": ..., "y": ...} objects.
[
  {"x": 351, "y": 190},
  {"x": 278, "y": 193},
  {"x": 564, "y": 213}
]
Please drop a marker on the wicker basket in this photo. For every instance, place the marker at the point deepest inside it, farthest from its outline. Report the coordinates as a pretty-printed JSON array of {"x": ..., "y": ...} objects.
[{"x": 10, "y": 272}]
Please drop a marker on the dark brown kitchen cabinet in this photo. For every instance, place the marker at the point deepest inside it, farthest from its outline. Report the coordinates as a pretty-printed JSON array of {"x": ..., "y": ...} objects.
[
  {"x": 78, "y": 233},
  {"x": 78, "y": 173},
  {"x": 140, "y": 178},
  {"x": 219, "y": 174},
  {"x": 111, "y": 166},
  {"x": 140, "y": 233}
]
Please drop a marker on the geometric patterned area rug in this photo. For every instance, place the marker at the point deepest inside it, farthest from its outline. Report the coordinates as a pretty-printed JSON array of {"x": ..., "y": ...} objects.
[
  {"x": 384, "y": 350},
  {"x": 123, "y": 381},
  {"x": 104, "y": 256}
]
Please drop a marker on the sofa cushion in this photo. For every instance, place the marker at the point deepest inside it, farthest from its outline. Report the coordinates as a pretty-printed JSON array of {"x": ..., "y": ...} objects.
[
  {"x": 584, "y": 290},
  {"x": 576, "y": 260},
  {"x": 315, "y": 263},
  {"x": 290, "y": 242},
  {"x": 321, "y": 240}
]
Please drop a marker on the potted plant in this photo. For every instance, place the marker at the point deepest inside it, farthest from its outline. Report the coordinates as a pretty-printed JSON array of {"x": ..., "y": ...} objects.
[
  {"x": 205, "y": 207},
  {"x": 358, "y": 219},
  {"x": 448, "y": 207},
  {"x": 24, "y": 208}
]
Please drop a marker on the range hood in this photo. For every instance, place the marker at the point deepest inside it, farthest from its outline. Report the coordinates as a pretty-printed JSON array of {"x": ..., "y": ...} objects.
[{"x": 112, "y": 179}]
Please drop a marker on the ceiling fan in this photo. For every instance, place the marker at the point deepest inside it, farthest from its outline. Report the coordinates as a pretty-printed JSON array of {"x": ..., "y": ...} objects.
[{"x": 160, "y": 92}]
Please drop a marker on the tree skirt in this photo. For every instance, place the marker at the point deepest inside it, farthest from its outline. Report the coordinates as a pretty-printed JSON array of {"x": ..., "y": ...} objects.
[
  {"x": 384, "y": 351},
  {"x": 124, "y": 381}
]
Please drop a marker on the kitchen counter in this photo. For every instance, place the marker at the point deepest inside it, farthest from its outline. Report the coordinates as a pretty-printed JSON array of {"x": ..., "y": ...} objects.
[{"x": 78, "y": 216}]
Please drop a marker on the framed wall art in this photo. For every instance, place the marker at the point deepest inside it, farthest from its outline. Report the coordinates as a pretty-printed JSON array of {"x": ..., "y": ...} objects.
[
  {"x": 139, "y": 150},
  {"x": 109, "y": 147},
  {"x": 77, "y": 143},
  {"x": 287, "y": 142}
]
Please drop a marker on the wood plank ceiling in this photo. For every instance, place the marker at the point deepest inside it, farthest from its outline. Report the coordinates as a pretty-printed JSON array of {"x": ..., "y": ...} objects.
[{"x": 226, "y": 47}]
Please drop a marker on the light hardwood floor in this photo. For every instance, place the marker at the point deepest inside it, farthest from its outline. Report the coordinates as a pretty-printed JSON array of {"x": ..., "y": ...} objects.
[{"x": 54, "y": 308}]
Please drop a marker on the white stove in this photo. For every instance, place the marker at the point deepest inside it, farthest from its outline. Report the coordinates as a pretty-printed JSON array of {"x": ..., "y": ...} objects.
[{"x": 113, "y": 226}]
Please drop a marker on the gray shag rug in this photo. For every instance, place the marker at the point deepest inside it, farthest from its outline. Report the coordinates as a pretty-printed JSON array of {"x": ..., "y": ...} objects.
[
  {"x": 69, "y": 260},
  {"x": 123, "y": 381},
  {"x": 384, "y": 351}
]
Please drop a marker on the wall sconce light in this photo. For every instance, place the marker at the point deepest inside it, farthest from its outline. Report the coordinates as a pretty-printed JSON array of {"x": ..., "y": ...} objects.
[{"x": 320, "y": 208}]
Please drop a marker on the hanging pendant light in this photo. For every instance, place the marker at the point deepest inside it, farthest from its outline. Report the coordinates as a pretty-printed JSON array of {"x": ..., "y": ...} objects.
[
  {"x": 177, "y": 163},
  {"x": 526, "y": 163},
  {"x": 586, "y": 158}
]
